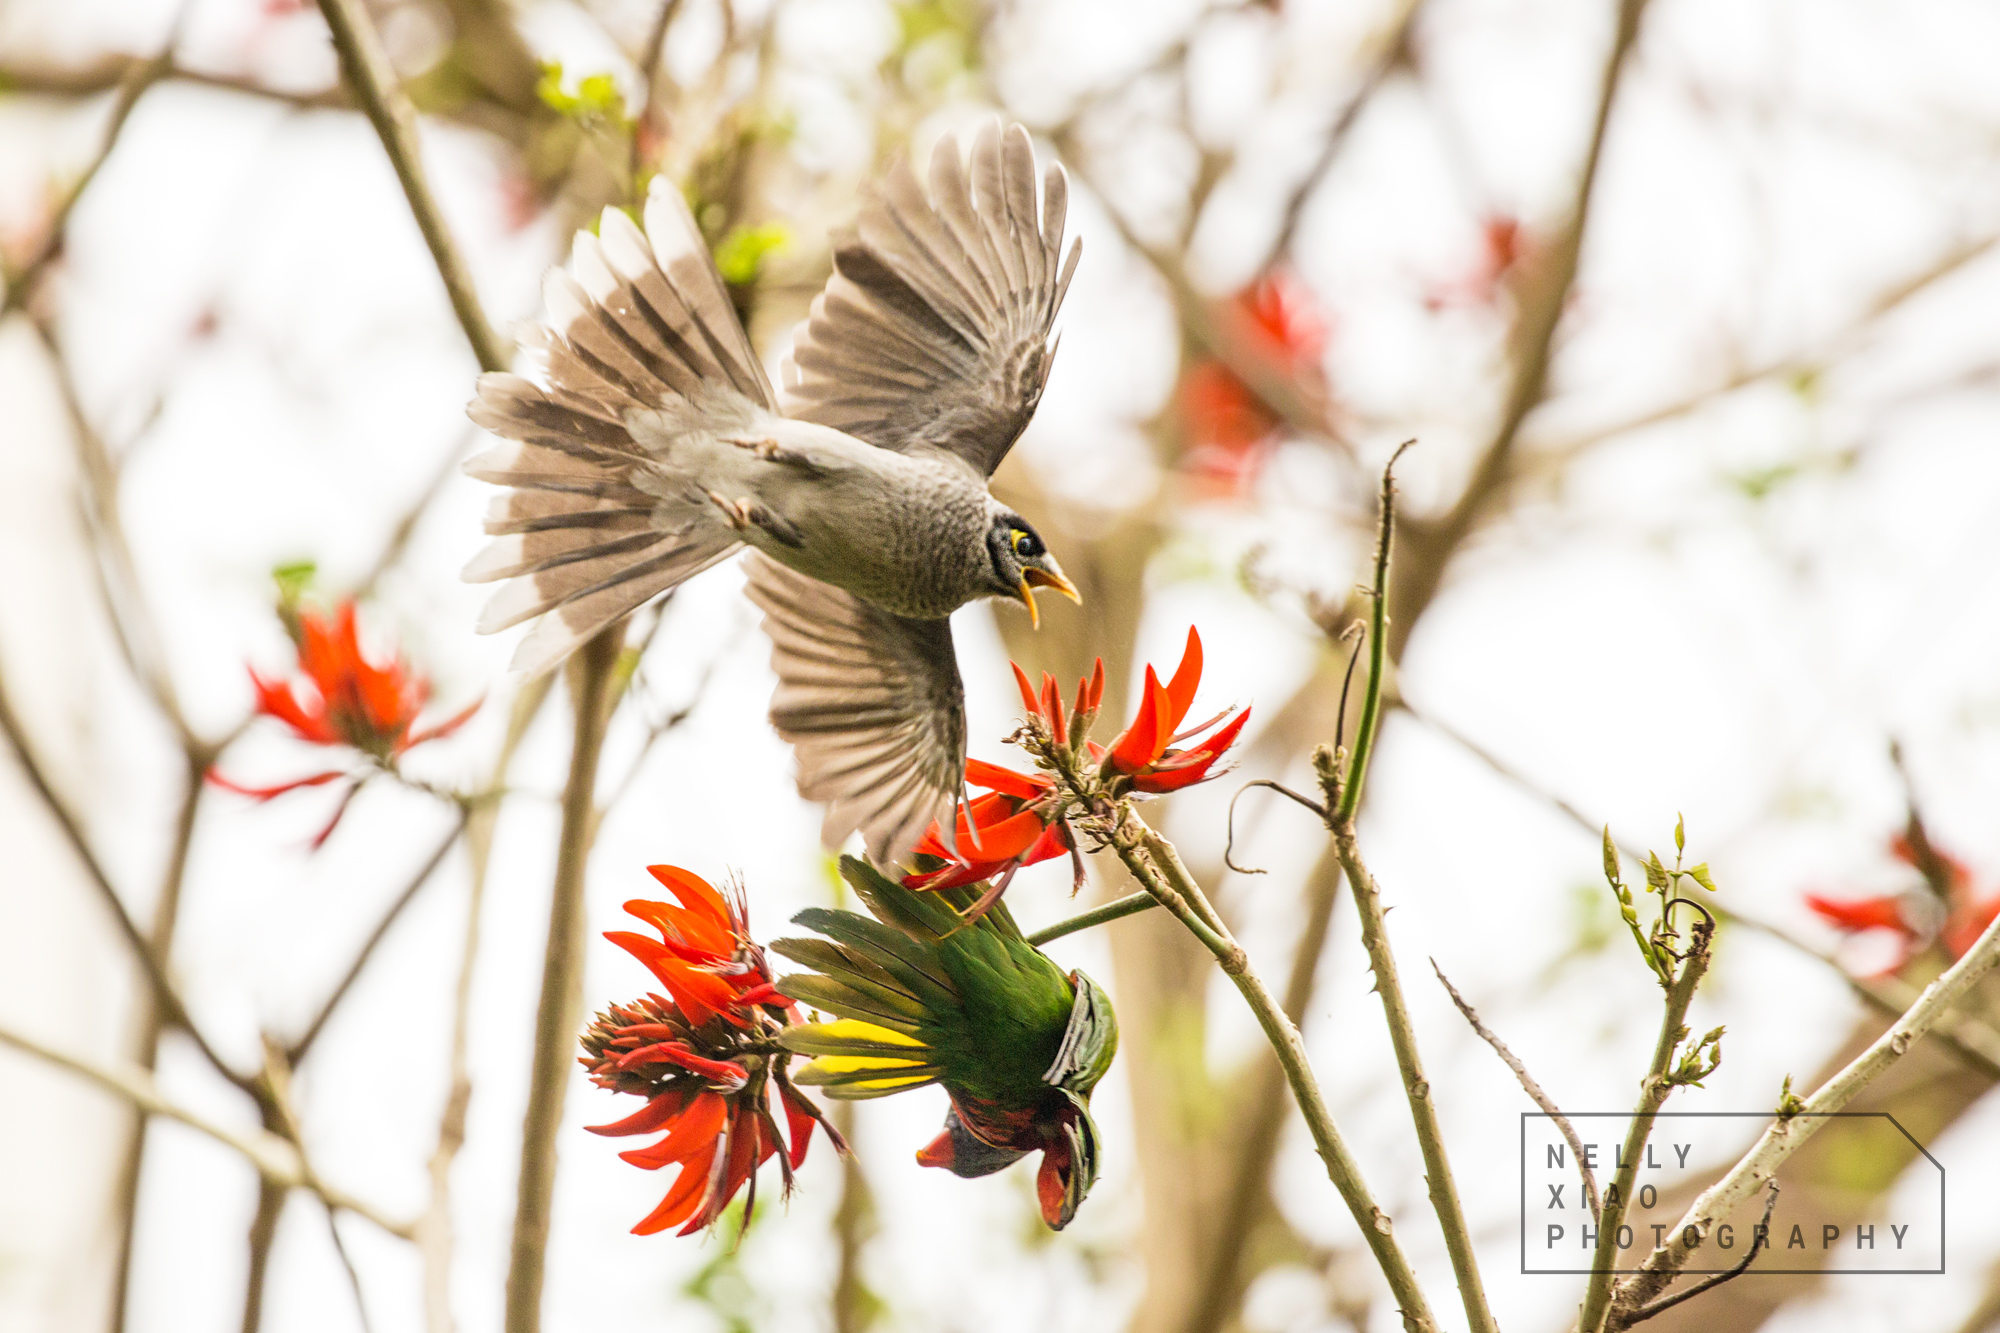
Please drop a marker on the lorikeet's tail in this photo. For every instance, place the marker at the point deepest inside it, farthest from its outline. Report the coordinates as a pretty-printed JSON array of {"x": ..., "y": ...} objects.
[{"x": 921, "y": 994}]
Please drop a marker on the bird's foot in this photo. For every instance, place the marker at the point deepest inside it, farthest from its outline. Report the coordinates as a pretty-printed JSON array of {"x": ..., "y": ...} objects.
[{"x": 744, "y": 515}]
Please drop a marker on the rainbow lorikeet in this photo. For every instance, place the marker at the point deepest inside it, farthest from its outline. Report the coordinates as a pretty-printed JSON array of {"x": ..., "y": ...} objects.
[{"x": 925, "y": 995}]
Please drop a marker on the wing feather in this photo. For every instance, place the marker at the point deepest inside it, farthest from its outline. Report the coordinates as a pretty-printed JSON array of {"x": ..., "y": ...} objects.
[
  {"x": 871, "y": 704},
  {"x": 934, "y": 330}
]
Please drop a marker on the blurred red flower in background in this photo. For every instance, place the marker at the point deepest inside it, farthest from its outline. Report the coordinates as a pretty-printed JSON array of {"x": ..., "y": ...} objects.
[
  {"x": 703, "y": 1056},
  {"x": 1230, "y": 431},
  {"x": 1917, "y": 917},
  {"x": 343, "y": 699}
]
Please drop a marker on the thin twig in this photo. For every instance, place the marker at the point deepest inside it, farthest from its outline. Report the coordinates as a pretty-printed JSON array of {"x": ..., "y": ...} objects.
[
  {"x": 131, "y": 87},
  {"x": 1347, "y": 799},
  {"x": 276, "y": 1160},
  {"x": 1654, "y": 1090},
  {"x": 434, "y": 1229},
  {"x": 1392, "y": 50},
  {"x": 296, "y": 1052},
  {"x": 132, "y": 625},
  {"x": 163, "y": 992},
  {"x": 1968, "y": 1038},
  {"x": 1787, "y": 1135},
  {"x": 1534, "y": 1091},
  {"x": 1129, "y": 905},
  {"x": 353, "y": 1274},
  {"x": 1759, "y": 1239},
  {"x": 368, "y": 72},
  {"x": 1229, "y": 846},
  {"x": 559, "y": 1008},
  {"x": 146, "y": 1044}
]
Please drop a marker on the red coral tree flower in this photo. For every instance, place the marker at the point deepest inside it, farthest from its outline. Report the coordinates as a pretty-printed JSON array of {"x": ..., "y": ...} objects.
[
  {"x": 343, "y": 699},
  {"x": 704, "y": 1056},
  {"x": 1024, "y": 819}
]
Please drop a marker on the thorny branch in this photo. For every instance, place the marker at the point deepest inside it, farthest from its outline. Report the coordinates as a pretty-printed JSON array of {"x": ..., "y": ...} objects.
[
  {"x": 1154, "y": 863},
  {"x": 1342, "y": 790}
]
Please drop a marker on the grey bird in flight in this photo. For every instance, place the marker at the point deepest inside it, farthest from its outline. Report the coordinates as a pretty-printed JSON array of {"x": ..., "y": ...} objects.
[{"x": 657, "y": 448}]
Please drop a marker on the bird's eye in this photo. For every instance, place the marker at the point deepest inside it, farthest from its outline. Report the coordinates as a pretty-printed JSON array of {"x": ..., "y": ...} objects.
[{"x": 1026, "y": 543}]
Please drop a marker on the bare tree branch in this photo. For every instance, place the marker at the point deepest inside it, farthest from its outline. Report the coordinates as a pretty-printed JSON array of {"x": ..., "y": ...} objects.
[
  {"x": 1390, "y": 51},
  {"x": 558, "y": 1011},
  {"x": 375, "y": 86},
  {"x": 276, "y": 1160},
  {"x": 1533, "y": 1089},
  {"x": 1432, "y": 542},
  {"x": 298, "y": 1049}
]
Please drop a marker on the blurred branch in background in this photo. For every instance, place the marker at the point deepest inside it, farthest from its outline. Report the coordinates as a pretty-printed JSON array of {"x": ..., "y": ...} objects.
[{"x": 276, "y": 1158}]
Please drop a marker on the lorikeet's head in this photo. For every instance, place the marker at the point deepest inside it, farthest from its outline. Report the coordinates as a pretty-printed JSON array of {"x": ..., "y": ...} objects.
[{"x": 922, "y": 995}]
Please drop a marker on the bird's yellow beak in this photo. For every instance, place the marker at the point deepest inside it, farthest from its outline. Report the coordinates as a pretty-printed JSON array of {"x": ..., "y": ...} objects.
[{"x": 1044, "y": 578}]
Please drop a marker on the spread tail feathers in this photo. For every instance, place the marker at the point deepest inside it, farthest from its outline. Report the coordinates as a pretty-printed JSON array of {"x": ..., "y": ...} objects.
[{"x": 595, "y": 523}]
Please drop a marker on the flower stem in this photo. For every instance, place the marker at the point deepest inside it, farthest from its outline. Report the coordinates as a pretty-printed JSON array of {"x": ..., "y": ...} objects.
[
  {"x": 1157, "y": 866},
  {"x": 560, "y": 1008},
  {"x": 1130, "y": 904}
]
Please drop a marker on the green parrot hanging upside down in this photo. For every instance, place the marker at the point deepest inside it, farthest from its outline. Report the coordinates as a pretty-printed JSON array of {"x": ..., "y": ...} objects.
[{"x": 924, "y": 996}]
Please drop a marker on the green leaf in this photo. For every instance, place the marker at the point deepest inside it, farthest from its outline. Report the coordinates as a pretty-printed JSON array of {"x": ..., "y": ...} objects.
[
  {"x": 1700, "y": 876},
  {"x": 1656, "y": 874},
  {"x": 740, "y": 257},
  {"x": 1610, "y": 857},
  {"x": 1680, "y": 833},
  {"x": 596, "y": 100},
  {"x": 293, "y": 578}
]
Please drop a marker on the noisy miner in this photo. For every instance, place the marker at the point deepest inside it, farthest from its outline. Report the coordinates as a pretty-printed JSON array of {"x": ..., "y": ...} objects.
[{"x": 656, "y": 448}]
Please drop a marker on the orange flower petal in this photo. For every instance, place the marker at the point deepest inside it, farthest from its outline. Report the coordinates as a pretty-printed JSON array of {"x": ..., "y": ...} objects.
[
  {"x": 696, "y": 893},
  {"x": 1187, "y": 676},
  {"x": 1141, "y": 743},
  {"x": 995, "y": 778},
  {"x": 1052, "y": 708},
  {"x": 654, "y": 1115},
  {"x": 1027, "y": 690},
  {"x": 685, "y": 1196},
  {"x": 1010, "y": 837},
  {"x": 694, "y": 1130}
]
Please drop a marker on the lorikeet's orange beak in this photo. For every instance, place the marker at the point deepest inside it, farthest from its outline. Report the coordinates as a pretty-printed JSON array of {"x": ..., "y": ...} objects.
[{"x": 1045, "y": 578}]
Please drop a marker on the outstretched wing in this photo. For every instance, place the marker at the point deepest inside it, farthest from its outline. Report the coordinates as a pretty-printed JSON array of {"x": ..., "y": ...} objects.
[
  {"x": 871, "y": 703},
  {"x": 934, "y": 329}
]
